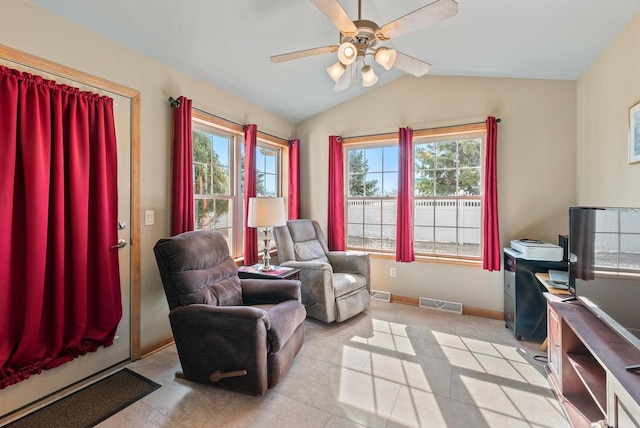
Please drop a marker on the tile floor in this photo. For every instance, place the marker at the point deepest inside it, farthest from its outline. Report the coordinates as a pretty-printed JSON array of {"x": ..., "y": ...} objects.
[{"x": 393, "y": 366}]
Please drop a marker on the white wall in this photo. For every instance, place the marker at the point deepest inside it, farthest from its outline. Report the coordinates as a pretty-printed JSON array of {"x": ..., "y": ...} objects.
[
  {"x": 536, "y": 166},
  {"x": 605, "y": 92},
  {"x": 37, "y": 32}
]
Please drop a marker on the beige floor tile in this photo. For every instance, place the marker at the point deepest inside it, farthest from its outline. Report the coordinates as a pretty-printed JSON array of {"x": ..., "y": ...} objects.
[
  {"x": 338, "y": 422},
  {"x": 141, "y": 415},
  {"x": 416, "y": 408}
]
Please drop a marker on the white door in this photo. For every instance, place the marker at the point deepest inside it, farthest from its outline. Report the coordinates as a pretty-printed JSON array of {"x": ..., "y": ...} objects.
[{"x": 50, "y": 381}]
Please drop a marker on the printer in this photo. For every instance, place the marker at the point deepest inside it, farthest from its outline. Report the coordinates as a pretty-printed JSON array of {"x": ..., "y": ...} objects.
[{"x": 532, "y": 249}]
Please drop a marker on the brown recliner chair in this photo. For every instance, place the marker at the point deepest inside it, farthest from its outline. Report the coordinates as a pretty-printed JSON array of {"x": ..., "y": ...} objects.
[
  {"x": 239, "y": 334},
  {"x": 335, "y": 284}
]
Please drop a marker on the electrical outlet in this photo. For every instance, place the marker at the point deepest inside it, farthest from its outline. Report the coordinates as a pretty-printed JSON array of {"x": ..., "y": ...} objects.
[
  {"x": 392, "y": 272},
  {"x": 149, "y": 218}
]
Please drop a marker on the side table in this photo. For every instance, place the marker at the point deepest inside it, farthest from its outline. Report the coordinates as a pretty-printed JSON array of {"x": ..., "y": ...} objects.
[{"x": 278, "y": 272}]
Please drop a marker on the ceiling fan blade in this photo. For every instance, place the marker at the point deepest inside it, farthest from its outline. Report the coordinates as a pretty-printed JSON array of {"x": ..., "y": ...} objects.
[
  {"x": 303, "y": 54},
  {"x": 345, "y": 80},
  {"x": 434, "y": 12},
  {"x": 411, "y": 65},
  {"x": 336, "y": 13}
]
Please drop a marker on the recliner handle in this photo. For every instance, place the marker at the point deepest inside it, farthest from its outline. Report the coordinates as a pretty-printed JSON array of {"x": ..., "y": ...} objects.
[{"x": 217, "y": 375}]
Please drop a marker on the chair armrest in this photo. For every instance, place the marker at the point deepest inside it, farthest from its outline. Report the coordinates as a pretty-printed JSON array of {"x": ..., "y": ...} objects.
[
  {"x": 220, "y": 317},
  {"x": 349, "y": 262},
  {"x": 297, "y": 264},
  {"x": 317, "y": 289},
  {"x": 257, "y": 291}
]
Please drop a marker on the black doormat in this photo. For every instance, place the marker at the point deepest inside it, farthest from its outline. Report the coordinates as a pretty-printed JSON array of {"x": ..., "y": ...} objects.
[{"x": 92, "y": 404}]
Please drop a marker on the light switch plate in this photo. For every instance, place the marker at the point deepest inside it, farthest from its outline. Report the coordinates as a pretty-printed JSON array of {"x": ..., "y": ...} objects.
[{"x": 149, "y": 218}]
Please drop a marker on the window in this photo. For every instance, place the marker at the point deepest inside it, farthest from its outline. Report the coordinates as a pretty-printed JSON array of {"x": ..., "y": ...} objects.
[
  {"x": 371, "y": 197},
  {"x": 267, "y": 170},
  {"x": 447, "y": 195},
  {"x": 213, "y": 182},
  {"x": 218, "y": 179}
]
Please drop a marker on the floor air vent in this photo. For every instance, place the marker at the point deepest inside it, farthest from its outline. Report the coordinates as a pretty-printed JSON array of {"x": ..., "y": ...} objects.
[
  {"x": 383, "y": 296},
  {"x": 440, "y": 305}
]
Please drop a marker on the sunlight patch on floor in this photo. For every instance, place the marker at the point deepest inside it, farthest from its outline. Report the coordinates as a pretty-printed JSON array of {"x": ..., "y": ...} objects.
[
  {"x": 488, "y": 357},
  {"x": 512, "y": 403},
  {"x": 381, "y": 374},
  {"x": 388, "y": 335},
  {"x": 366, "y": 392}
]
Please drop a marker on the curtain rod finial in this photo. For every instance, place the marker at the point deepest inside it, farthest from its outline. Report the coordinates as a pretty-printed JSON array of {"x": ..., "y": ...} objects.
[{"x": 173, "y": 102}]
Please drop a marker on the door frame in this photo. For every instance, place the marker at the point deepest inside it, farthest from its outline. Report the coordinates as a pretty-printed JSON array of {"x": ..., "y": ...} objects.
[{"x": 134, "y": 97}]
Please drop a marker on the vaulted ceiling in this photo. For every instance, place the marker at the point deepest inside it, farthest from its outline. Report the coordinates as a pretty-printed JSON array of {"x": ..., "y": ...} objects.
[{"x": 227, "y": 44}]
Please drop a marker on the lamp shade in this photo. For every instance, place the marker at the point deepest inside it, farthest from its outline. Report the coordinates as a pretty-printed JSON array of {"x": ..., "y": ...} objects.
[
  {"x": 335, "y": 71},
  {"x": 266, "y": 212},
  {"x": 347, "y": 53},
  {"x": 369, "y": 78},
  {"x": 385, "y": 57}
]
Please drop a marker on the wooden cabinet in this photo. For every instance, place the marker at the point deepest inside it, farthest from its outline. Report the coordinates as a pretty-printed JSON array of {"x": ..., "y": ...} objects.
[
  {"x": 586, "y": 368},
  {"x": 554, "y": 342}
]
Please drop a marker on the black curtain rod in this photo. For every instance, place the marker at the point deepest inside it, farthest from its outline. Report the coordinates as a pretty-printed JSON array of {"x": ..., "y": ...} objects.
[
  {"x": 424, "y": 129},
  {"x": 176, "y": 103}
]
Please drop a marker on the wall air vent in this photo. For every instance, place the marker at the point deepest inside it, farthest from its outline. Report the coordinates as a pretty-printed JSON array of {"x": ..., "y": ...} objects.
[
  {"x": 440, "y": 305},
  {"x": 383, "y": 296}
]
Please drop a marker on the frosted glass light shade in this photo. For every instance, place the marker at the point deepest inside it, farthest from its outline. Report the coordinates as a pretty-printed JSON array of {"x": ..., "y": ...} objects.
[
  {"x": 369, "y": 78},
  {"x": 347, "y": 53},
  {"x": 335, "y": 71},
  {"x": 266, "y": 212},
  {"x": 385, "y": 57}
]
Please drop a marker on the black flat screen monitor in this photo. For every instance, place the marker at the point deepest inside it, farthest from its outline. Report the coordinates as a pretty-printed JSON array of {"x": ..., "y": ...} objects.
[{"x": 604, "y": 265}]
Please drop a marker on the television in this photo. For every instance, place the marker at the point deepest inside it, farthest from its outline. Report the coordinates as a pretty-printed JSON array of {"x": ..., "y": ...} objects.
[{"x": 604, "y": 266}]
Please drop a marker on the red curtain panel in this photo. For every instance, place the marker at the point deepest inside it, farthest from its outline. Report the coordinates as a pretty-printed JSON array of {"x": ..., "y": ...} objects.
[
  {"x": 250, "y": 191},
  {"x": 491, "y": 234},
  {"x": 294, "y": 179},
  {"x": 59, "y": 277},
  {"x": 335, "y": 221},
  {"x": 182, "y": 216},
  {"x": 404, "y": 221}
]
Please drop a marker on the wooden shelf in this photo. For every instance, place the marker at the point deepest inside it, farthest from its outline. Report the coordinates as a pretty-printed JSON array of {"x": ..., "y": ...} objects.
[
  {"x": 593, "y": 376},
  {"x": 585, "y": 407},
  {"x": 586, "y": 368}
]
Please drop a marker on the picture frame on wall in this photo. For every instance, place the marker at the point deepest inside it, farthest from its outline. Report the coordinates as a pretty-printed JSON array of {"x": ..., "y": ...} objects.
[{"x": 634, "y": 133}]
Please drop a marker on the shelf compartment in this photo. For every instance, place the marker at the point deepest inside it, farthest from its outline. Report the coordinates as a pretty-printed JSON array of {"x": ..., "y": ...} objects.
[{"x": 592, "y": 376}]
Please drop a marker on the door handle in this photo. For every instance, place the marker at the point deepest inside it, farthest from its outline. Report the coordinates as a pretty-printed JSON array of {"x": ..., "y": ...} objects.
[{"x": 121, "y": 244}]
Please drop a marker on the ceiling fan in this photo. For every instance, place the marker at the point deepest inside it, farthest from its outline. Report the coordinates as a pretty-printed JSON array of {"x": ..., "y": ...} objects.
[{"x": 360, "y": 38}]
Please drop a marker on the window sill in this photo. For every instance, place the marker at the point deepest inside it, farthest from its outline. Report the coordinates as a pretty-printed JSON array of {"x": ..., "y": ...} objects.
[{"x": 430, "y": 259}]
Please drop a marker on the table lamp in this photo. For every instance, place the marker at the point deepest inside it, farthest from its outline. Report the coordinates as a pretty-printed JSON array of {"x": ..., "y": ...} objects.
[{"x": 266, "y": 213}]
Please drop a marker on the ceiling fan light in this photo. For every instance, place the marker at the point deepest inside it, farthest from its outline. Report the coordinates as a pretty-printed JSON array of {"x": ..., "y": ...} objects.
[
  {"x": 336, "y": 70},
  {"x": 385, "y": 57},
  {"x": 347, "y": 53},
  {"x": 369, "y": 78}
]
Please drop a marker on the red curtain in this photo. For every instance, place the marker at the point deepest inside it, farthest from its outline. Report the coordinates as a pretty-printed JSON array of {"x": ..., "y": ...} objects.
[
  {"x": 491, "y": 233},
  {"x": 294, "y": 179},
  {"x": 404, "y": 222},
  {"x": 59, "y": 278},
  {"x": 182, "y": 216},
  {"x": 250, "y": 191},
  {"x": 335, "y": 221}
]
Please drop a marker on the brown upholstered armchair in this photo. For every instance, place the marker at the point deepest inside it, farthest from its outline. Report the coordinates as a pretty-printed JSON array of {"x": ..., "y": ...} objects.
[
  {"x": 335, "y": 284},
  {"x": 239, "y": 334}
]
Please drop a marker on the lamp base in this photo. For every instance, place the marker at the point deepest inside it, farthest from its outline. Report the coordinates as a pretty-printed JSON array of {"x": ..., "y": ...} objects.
[{"x": 265, "y": 267}]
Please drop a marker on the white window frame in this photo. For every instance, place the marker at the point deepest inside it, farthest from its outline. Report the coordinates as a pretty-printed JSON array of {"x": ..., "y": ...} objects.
[{"x": 474, "y": 202}]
